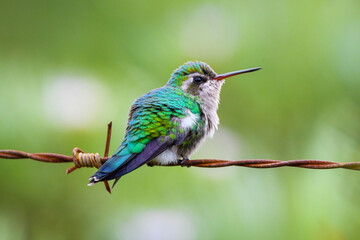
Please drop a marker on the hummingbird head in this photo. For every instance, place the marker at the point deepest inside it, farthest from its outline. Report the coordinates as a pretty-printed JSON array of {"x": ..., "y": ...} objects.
[{"x": 199, "y": 79}]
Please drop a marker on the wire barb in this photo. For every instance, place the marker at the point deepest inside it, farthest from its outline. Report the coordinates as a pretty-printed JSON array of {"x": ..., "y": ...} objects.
[
  {"x": 82, "y": 159},
  {"x": 89, "y": 160}
]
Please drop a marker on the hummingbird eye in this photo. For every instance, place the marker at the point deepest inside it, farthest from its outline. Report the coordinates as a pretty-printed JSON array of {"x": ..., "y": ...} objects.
[{"x": 198, "y": 80}]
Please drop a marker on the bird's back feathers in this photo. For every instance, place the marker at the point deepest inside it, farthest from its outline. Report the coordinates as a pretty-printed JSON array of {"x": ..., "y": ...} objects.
[{"x": 153, "y": 126}]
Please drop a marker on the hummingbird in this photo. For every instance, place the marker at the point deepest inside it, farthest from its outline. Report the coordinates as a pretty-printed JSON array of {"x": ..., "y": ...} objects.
[{"x": 167, "y": 124}]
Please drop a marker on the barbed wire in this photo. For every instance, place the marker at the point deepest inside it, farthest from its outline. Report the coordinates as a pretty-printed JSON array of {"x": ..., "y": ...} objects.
[{"x": 82, "y": 159}]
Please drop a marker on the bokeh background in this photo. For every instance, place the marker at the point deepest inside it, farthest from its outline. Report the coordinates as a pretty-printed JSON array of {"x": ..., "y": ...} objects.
[{"x": 67, "y": 68}]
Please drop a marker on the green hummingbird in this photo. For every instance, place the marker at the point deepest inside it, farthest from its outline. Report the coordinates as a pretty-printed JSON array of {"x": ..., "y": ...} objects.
[{"x": 168, "y": 124}]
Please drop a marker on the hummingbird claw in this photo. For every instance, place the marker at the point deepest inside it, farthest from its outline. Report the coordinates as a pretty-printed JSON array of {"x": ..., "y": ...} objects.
[
  {"x": 183, "y": 162},
  {"x": 150, "y": 164}
]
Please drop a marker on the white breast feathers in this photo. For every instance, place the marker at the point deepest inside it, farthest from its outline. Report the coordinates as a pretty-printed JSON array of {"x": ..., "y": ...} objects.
[{"x": 189, "y": 120}]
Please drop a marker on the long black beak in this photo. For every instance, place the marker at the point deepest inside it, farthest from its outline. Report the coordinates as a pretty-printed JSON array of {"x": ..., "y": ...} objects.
[{"x": 230, "y": 74}]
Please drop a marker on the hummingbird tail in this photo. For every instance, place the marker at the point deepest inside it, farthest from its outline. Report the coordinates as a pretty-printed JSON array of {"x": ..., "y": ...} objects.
[
  {"x": 106, "y": 171},
  {"x": 118, "y": 166}
]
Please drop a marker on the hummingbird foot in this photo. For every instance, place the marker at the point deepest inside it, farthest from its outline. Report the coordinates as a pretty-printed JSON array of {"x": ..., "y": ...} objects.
[
  {"x": 183, "y": 162},
  {"x": 151, "y": 164}
]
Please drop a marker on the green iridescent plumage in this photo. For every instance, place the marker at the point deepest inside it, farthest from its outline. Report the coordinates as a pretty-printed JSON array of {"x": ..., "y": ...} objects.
[{"x": 151, "y": 116}]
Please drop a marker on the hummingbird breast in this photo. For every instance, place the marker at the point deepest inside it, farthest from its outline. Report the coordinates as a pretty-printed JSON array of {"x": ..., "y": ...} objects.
[
  {"x": 191, "y": 142},
  {"x": 209, "y": 98},
  {"x": 198, "y": 119},
  {"x": 206, "y": 127}
]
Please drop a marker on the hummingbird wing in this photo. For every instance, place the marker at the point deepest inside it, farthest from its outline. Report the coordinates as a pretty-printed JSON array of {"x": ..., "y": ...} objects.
[{"x": 153, "y": 127}]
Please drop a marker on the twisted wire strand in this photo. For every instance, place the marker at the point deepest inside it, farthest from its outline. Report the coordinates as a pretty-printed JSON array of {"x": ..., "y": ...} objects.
[
  {"x": 42, "y": 157},
  {"x": 268, "y": 163},
  {"x": 82, "y": 159}
]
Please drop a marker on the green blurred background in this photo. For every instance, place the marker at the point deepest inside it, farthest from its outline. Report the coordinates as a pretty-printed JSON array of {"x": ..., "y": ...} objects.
[{"x": 67, "y": 68}]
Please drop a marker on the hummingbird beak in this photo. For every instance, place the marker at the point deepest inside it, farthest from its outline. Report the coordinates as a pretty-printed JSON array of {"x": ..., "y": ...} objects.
[{"x": 230, "y": 74}]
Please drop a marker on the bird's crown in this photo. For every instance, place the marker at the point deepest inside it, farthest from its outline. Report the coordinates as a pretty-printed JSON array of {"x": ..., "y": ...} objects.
[{"x": 182, "y": 73}]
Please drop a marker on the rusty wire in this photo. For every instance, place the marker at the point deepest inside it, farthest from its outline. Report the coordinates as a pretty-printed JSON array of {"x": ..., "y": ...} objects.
[{"x": 204, "y": 163}]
